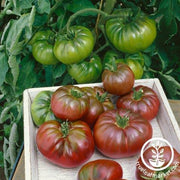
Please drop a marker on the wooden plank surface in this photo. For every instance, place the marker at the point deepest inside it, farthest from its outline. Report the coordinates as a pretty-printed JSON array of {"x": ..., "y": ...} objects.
[{"x": 19, "y": 173}]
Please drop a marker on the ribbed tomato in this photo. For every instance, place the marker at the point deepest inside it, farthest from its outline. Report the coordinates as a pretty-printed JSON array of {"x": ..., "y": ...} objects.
[
  {"x": 65, "y": 144},
  {"x": 142, "y": 100},
  {"x": 121, "y": 133}
]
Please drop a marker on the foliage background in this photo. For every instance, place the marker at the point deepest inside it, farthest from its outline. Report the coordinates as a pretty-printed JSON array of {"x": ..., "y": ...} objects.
[{"x": 20, "y": 19}]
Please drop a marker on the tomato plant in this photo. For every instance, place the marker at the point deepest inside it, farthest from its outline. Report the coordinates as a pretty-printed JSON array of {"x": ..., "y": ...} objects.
[
  {"x": 42, "y": 47},
  {"x": 118, "y": 80},
  {"x": 41, "y": 108},
  {"x": 74, "y": 46},
  {"x": 101, "y": 169},
  {"x": 65, "y": 144},
  {"x": 131, "y": 33},
  {"x": 21, "y": 20},
  {"x": 170, "y": 173},
  {"x": 99, "y": 101},
  {"x": 69, "y": 102},
  {"x": 86, "y": 71},
  {"x": 142, "y": 100},
  {"x": 121, "y": 133}
]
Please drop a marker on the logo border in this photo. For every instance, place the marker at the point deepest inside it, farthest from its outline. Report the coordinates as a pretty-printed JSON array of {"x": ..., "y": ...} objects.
[{"x": 151, "y": 168}]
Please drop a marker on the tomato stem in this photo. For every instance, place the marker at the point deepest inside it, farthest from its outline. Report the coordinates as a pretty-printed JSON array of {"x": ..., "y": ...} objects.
[
  {"x": 65, "y": 128},
  {"x": 122, "y": 121},
  {"x": 98, "y": 11},
  {"x": 58, "y": 3},
  {"x": 137, "y": 94}
]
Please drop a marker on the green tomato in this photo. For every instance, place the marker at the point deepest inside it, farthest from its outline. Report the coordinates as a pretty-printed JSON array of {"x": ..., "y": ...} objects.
[
  {"x": 135, "y": 67},
  {"x": 42, "y": 47},
  {"x": 86, "y": 71},
  {"x": 75, "y": 46},
  {"x": 111, "y": 56},
  {"x": 41, "y": 109},
  {"x": 131, "y": 34},
  {"x": 134, "y": 61}
]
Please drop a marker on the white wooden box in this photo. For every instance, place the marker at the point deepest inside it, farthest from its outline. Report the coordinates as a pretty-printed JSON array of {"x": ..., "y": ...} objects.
[{"x": 38, "y": 168}]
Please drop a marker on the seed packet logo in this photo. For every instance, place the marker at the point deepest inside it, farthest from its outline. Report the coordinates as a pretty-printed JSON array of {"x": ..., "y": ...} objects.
[{"x": 157, "y": 160}]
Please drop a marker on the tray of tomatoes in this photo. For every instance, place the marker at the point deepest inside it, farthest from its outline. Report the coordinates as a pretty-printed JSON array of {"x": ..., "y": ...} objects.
[{"x": 94, "y": 131}]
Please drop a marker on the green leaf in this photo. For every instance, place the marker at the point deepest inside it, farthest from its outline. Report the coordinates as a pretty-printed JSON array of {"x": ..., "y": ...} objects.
[
  {"x": 1, "y": 159},
  {"x": 40, "y": 20},
  {"x": 168, "y": 23},
  {"x": 171, "y": 86},
  {"x": 177, "y": 9},
  {"x": 77, "y": 5},
  {"x": 59, "y": 70},
  {"x": 24, "y": 4},
  {"x": 3, "y": 67},
  {"x": 28, "y": 33},
  {"x": 7, "y": 129},
  {"x": 67, "y": 80},
  {"x": 13, "y": 140},
  {"x": 43, "y": 6},
  {"x": 6, "y": 157},
  {"x": 163, "y": 57},
  {"x": 152, "y": 3},
  {"x": 14, "y": 65},
  {"x": 48, "y": 75},
  {"x": 15, "y": 33},
  {"x": 26, "y": 72},
  {"x": 5, "y": 31},
  {"x": 5, "y": 114}
]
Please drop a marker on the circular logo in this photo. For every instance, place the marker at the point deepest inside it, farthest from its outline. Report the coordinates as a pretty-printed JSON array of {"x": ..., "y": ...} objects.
[{"x": 157, "y": 161}]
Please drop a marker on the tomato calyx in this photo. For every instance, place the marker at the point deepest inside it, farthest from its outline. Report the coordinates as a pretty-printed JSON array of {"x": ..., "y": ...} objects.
[
  {"x": 76, "y": 93},
  {"x": 137, "y": 94},
  {"x": 101, "y": 98},
  {"x": 122, "y": 121},
  {"x": 65, "y": 128},
  {"x": 111, "y": 67}
]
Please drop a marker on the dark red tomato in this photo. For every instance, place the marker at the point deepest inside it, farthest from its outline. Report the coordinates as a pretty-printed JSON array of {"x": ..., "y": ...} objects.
[
  {"x": 65, "y": 144},
  {"x": 101, "y": 169},
  {"x": 69, "y": 102},
  {"x": 121, "y": 133},
  {"x": 170, "y": 173},
  {"x": 118, "y": 80},
  {"x": 99, "y": 102},
  {"x": 142, "y": 100}
]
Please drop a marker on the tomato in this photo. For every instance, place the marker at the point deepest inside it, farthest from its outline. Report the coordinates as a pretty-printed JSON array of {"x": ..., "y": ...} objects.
[
  {"x": 101, "y": 169},
  {"x": 42, "y": 47},
  {"x": 135, "y": 67},
  {"x": 65, "y": 144},
  {"x": 75, "y": 46},
  {"x": 99, "y": 101},
  {"x": 69, "y": 102},
  {"x": 119, "y": 80},
  {"x": 167, "y": 174},
  {"x": 111, "y": 56},
  {"x": 142, "y": 100},
  {"x": 131, "y": 33},
  {"x": 121, "y": 133},
  {"x": 134, "y": 61},
  {"x": 86, "y": 71},
  {"x": 41, "y": 109}
]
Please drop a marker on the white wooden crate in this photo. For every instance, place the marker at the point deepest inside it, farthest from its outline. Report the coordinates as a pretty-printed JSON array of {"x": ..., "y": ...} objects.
[{"x": 38, "y": 168}]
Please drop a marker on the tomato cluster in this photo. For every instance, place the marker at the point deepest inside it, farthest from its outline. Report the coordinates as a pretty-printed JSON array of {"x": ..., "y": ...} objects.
[
  {"x": 87, "y": 117},
  {"x": 127, "y": 32}
]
